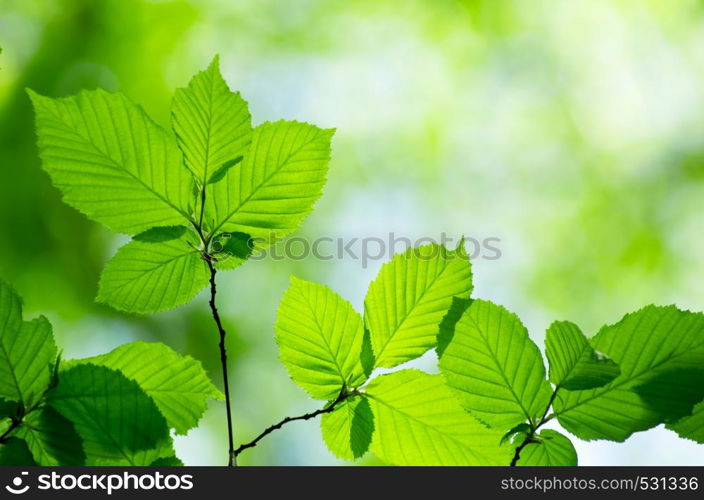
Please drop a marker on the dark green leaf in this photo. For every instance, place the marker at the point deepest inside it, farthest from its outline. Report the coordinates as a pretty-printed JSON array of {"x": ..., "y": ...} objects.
[
  {"x": 232, "y": 249},
  {"x": 118, "y": 422},
  {"x": 51, "y": 438},
  {"x": 692, "y": 426},
  {"x": 674, "y": 393},
  {"x": 161, "y": 234},
  {"x": 178, "y": 384},
  {"x": 167, "y": 462},
  {"x": 14, "y": 451},
  {"x": 220, "y": 173},
  {"x": 521, "y": 428},
  {"x": 8, "y": 408}
]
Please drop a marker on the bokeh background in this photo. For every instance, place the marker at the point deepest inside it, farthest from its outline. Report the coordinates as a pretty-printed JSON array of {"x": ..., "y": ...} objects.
[{"x": 572, "y": 130}]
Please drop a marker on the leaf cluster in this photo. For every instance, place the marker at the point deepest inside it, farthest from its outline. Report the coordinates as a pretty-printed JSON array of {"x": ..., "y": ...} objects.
[
  {"x": 213, "y": 189},
  {"x": 493, "y": 395},
  {"x": 118, "y": 408}
]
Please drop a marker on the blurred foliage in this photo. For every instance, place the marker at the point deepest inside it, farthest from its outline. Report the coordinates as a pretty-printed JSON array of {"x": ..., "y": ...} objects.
[{"x": 573, "y": 130}]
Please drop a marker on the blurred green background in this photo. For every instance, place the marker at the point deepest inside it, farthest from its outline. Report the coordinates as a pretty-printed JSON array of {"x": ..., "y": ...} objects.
[{"x": 572, "y": 130}]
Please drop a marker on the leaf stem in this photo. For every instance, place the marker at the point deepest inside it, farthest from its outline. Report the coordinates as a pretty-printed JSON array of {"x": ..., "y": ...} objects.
[
  {"x": 232, "y": 461},
  {"x": 327, "y": 409},
  {"x": 529, "y": 437}
]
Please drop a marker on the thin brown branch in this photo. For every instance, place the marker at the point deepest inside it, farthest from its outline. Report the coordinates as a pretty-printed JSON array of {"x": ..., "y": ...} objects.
[
  {"x": 529, "y": 437},
  {"x": 232, "y": 460},
  {"x": 328, "y": 409}
]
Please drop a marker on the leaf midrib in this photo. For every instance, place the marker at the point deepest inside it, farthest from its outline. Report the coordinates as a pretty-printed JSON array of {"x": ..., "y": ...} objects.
[
  {"x": 409, "y": 312},
  {"x": 495, "y": 359},
  {"x": 283, "y": 164},
  {"x": 585, "y": 346},
  {"x": 116, "y": 166},
  {"x": 153, "y": 269},
  {"x": 325, "y": 340}
]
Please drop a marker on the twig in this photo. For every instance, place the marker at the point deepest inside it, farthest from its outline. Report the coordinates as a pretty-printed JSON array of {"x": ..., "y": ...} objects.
[
  {"x": 232, "y": 461},
  {"x": 531, "y": 434},
  {"x": 340, "y": 398}
]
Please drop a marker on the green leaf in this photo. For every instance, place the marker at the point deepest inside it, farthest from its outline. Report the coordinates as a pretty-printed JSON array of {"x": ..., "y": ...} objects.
[
  {"x": 520, "y": 429},
  {"x": 161, "y": 234},
  {"x": 118, "y": 422},
  {"x": 449, "y": 322},
  {"x": 495, "y": 368},
  {"x": 8, "y": 408},
  {"x": 574, "y": 365},
  {"x": 212, "y": 123},
  {"x": 418, "y": 422},
  {"x": 692, "y": 426},
  {"x": 178, "y": 384},
  {"x": 14, "y": 451},
  {"x": 673, "y": 394},
  {"x": 274, "y": 188},
  {"x": 111, "y": 161},
  {"x": 10, "y": 308},
  {"x": 347, "y": 430},
  {"x": 167, "y": 462},
  {"x": 51, "y": 438},
  {"x": 232, "y": 250},
  {"x": 148, "y": 277},
  {"x": 320, "y": 339},
  {"x": 220, "y": 173},
  {"x": 27, "y": 351},
  {"x": 409, "y": 298},
  {"x": 552, "y": 450},
  {"x": 645, "y": 345}
]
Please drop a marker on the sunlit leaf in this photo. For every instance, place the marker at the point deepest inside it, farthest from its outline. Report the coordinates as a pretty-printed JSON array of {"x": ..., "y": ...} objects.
[
  {"x": 418, "y": 421},
  {"x": 320, "y": 339},
  {"x": 347, "y": 430},
  {"x": 408, "y": 299},
  {"x": 111, "y": 161},
  {"x": 212, "y": 124},
  {"x": 574, "y": 365},
  {"x": 494, "y": 368},
  {"x": 551, "y": 449},
  {"x": 275, "y": 186},
  {"x": 146, "y": 276}
]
